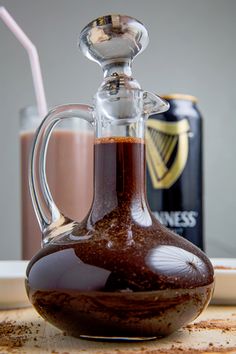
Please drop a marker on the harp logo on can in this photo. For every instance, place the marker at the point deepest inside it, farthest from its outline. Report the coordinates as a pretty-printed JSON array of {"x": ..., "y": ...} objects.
[{"x": 167, "y": 151}]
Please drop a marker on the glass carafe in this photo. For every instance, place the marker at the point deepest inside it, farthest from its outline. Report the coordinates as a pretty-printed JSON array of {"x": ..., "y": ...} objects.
[{"x": 118, "y": 274}]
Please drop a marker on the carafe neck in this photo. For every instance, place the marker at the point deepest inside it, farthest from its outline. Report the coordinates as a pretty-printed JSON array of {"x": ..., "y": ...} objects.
[
  {"x": 119, "y": 176},
  {"x": 122, "y": 68}
]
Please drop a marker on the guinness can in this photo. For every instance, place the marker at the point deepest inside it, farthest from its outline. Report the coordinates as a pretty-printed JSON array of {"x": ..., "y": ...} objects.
[{"x": 174, "y": 167}]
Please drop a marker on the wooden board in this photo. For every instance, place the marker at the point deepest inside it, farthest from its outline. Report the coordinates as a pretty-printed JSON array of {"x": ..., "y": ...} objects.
[{"x": 213, "y": 332}]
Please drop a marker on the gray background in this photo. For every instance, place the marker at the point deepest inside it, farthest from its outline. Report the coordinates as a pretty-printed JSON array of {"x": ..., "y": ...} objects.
[{"x": 192, "y": 50}]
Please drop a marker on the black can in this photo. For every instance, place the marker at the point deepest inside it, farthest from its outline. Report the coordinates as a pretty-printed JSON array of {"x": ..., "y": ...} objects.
[{"x": 174, "y": 167}]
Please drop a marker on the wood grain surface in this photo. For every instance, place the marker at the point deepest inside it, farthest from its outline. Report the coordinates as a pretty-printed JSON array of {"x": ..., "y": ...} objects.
[{"x": 213, "y": 332}]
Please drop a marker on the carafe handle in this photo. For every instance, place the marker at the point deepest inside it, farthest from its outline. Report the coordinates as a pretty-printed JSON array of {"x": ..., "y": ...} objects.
[{"x": 48, "y": 215}]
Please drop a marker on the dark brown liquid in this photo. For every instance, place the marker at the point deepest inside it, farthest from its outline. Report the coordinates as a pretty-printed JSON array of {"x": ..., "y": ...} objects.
[{"x": 120, "y": 273}]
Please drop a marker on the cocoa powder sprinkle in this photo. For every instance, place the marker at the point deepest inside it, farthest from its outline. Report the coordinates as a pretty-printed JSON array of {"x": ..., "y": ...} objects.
[
  {"x": 224, "y": 268},
  {"x": 178, "y": 350},
  {"x": 224, "y": 325},
  {"x": 13, "y": 335}
]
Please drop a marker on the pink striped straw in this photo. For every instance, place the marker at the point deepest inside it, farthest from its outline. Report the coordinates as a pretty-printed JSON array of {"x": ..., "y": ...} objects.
[{"x": 33, "y": 58}]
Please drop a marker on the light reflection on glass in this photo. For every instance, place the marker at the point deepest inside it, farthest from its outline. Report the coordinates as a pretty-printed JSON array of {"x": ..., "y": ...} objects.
[
  {"x": 175, "y": 261},
  {"x": 140, "y": 214}
]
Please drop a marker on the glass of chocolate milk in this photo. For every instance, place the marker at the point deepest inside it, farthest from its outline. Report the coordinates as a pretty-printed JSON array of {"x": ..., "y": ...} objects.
[
  {"x": 118, "y": 274},
  {"x": 70, "y": 149}
]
